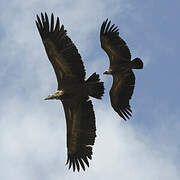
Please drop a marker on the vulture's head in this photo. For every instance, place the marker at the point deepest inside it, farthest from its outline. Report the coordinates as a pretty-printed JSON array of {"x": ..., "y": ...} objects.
[
  {"x": 108, "y": 72},
  {"x": 57, "y": 95}
]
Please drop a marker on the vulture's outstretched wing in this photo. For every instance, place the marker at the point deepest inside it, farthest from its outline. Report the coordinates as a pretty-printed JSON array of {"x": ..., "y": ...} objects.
[
  {"x": 61, "y": 51},
  {"x": 121, "y": 92},
  {"x": 113, "y": 44},
  {"x": 81, "y": 132}
]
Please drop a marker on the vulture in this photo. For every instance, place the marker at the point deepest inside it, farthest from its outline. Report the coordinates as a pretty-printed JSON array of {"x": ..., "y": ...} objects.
[
  {"x": 120, "y": 68},
  {"x": 73, "y": 90}
]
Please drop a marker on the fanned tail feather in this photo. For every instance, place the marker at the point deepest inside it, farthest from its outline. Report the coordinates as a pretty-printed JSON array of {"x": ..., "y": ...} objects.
[
  {"x": 94, "y": 86},
  {"x": 137, "y": 63}
]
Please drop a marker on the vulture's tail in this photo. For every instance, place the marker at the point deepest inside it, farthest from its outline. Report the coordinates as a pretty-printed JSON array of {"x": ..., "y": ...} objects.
[
  {"x": 136, "y": 63},
  {"x": 94, "y": 86}
]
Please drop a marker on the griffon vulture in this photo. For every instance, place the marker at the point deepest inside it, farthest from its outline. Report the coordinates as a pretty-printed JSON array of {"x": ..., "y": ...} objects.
[
  {"x": 120, "y": 68},
  {"x": 73, "y": 90}
]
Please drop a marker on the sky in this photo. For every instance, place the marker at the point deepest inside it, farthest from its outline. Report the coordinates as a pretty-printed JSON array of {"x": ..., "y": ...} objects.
[{"x": 32, "y": 131}]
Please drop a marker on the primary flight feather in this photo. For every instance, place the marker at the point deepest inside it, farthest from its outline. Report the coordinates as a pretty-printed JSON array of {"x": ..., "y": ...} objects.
[
  {"x": 120, "y": 68},
  {"x": 73, "y": 90}
]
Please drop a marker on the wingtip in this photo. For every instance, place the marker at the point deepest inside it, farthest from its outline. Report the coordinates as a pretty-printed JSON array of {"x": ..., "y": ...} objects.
[
  {"x": 42, "y": 16},
  {"x": 106, "y": 20},
  {"x": 77, "y": 163},
  {"x": 74, "y": 166},
  {"x": 85, "y": 160},
  {"x": 37, "y": 16},
  {"x": 46, "y": 16},
  {"x": 125, "y": 113},
  {"x": 52, "y": 15}
]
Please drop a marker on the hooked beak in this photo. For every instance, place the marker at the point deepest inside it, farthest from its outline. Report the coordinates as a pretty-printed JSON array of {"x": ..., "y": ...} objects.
[
  {"x": 107, "y": 72},
  {"x": 49, "y": 97}
]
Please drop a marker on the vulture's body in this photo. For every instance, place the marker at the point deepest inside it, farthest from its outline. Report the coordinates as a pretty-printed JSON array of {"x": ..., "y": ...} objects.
[
  {"x": 120, "y": 68},
  {"x": 73, "y": 90}
]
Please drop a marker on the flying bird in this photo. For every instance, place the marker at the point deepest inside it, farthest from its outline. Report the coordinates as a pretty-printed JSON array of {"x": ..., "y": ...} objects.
[
  {"x": 120, "y": 68},
  {"x": 73, "y": 90}
]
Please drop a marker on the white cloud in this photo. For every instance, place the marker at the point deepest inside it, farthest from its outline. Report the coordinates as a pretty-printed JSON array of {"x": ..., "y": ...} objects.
[{"x": 33, "y": 145}]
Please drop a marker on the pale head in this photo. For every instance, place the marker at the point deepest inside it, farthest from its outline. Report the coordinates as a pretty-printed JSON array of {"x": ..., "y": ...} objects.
[
  {"x": 56, "y": 95},
  {"x": 108, "y": 72}
]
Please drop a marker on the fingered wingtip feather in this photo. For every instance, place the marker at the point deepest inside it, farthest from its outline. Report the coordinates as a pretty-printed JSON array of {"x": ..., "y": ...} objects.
[
  {"x": 70, "y": 163},
  {"x": 116, "y": 31},
  {"x": 74, "y": 166},
  {"x": 82, "y": 164},
  {"x": 124, "y": 113},
  {"x": 46, "y": 17},
  {"x": 90, "y": 157},
  {"x": 52, "y": 22},
  {"x": 38, "y": 18},
  {"x": 67, "y": 160},
  {"x": 42, "y": 17},
  {"x": 107, "y": 27},
  {"x": 126, "y": 110},
  {"x": 129, "y": 108},
  {"x": 77, "y": 164},
  {"x": 103, "y": 26},
  {"x": 121, "y": 114},
  {"x": 110, "y": 29},
  {"x": 37, "y": 24},
  {"x": 40, "y": 26},
  {"x": 85, "y": 160},
  {"x": 106, "y": 20},
  {"x": 57, "y": 24}
]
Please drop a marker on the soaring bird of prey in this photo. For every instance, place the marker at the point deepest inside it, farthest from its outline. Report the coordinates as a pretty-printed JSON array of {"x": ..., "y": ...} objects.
[
  {"x": 73, "y": 90},
  {"x": 120, "y": 68}
]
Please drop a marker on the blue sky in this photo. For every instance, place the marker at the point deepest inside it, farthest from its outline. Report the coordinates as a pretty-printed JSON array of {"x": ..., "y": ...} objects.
[{"x": 32, "y": 131}]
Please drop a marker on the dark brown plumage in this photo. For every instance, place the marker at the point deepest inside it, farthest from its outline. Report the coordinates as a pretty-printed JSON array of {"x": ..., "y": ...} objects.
[
  {"x": 120, "y": 68},
  {"x": 73, "y": 90}
]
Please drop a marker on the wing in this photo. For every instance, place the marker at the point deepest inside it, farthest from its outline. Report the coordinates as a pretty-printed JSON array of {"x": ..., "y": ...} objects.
[
  {"x": 81, "y": 132},
  {"x": 113, "y": 44},
  {"x": 60, "y": 50},
  {"x": 121, "y": 92}
]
